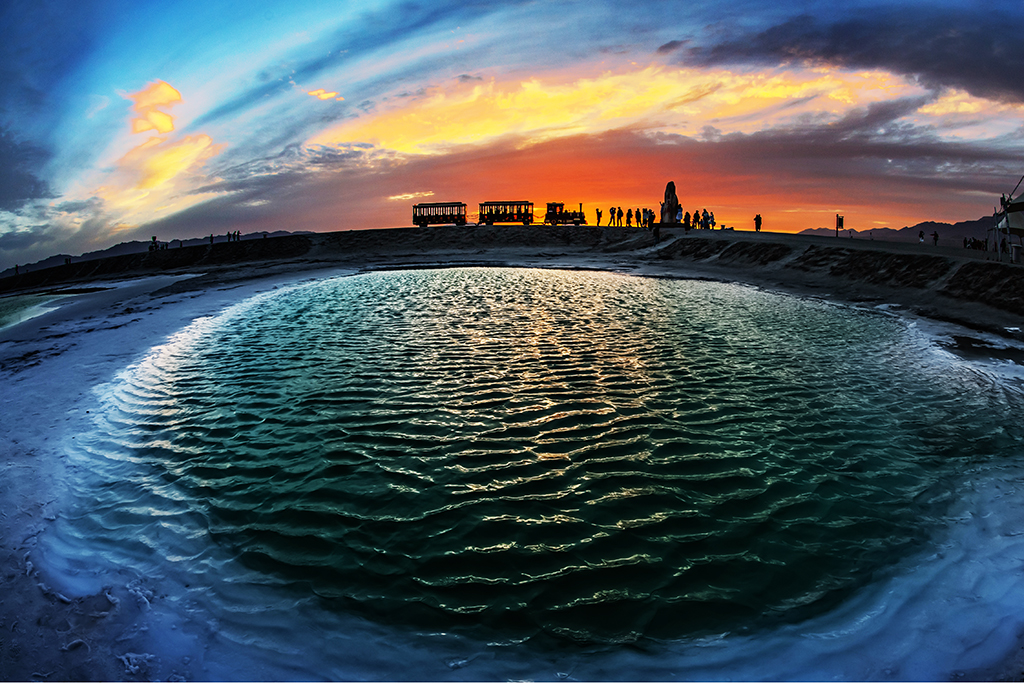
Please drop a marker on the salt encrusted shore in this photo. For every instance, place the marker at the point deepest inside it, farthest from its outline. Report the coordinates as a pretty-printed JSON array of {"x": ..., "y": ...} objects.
[
  {"x": 945, "y": 282},
  {"x": 48, "y": 364}
]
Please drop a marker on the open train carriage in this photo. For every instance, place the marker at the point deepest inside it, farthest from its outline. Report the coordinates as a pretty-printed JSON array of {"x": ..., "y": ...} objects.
[
  {"x": 1009, "y": 223},
  {"x": 1011, "y": 218},
  {"x": 439, "y": 213},
  {"x": 505, "y": 212},
  {"x": 556, "y": 215}
]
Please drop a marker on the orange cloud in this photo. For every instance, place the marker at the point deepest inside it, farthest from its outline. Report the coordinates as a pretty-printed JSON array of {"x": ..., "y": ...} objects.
[
  {"x": 153, "y": 177},
  {"x": 322, "y": 94},
  {"x": 157, "y": 94},
  {"x": 650, "y": 98},
  {"x": 155, "y": 162}
]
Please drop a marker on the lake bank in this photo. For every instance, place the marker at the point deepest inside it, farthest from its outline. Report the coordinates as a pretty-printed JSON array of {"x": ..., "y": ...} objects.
[
  {"x": 51, "y": 363},
  {"x": 945, "y": 282}
]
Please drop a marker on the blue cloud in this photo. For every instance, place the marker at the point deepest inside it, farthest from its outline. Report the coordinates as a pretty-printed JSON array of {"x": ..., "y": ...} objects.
[
  {"x": 19, "y": 172},
  {"x": 976, "y": 51}
]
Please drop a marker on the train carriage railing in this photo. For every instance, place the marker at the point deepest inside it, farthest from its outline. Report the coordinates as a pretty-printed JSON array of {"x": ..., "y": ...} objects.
[
  {"x": 439, "y": 213},
  {"x": 506, "y": 212}
]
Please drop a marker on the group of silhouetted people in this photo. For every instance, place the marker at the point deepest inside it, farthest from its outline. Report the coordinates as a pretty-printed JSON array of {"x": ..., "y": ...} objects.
[
  {"x": 647, "y": 218},
  {"x": 644, "y": 217},
  {"x": 699, "y": 221}
]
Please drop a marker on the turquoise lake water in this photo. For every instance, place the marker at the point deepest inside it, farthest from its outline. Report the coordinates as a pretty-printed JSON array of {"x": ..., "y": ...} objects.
[{"x": 529, "y": 454}]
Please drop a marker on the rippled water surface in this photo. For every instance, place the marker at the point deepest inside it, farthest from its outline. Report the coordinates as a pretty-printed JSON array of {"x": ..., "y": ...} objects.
[{"x": 580, "y": 454}]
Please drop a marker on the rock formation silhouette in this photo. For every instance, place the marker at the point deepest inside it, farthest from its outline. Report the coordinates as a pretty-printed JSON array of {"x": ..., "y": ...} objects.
[{"x": 670, "y": 207}]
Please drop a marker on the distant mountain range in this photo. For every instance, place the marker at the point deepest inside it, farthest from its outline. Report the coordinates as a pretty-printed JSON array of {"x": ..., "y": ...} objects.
[
  {"x": 949, "y": 233},
  {"x": 136, "y": 246}
]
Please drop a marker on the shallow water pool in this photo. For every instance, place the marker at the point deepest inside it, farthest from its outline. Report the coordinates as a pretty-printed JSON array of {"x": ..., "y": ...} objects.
[{"x": 531, "y": 457}]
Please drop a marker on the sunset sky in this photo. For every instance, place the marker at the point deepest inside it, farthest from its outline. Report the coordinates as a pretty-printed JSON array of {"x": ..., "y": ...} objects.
[{"x": 123, "y": 120}]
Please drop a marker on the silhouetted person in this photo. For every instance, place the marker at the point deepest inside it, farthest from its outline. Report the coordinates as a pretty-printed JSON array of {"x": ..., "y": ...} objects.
[
  {"x": 598, "y": 217},
  {"x": 757, "y": 223},
  {"x": 618, "y": 214},
  {"x": 935, "y": 238},
  {"x": 611, "y": 216},
  {"x": 629, "y": 217},
  {"x": 686, "y": 222},
  {"x": 920, "y": 237}
]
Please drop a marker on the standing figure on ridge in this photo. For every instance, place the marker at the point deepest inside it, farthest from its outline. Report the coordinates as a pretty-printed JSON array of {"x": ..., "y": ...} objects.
[
  {"x": 757, "y": 223},
  {"x": 598, "y": 216}
]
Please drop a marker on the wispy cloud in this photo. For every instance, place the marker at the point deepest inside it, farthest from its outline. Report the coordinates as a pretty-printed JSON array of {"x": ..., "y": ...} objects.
[
  {"x": 157, "y": 175},
  {"x": 655, "y": 98}
]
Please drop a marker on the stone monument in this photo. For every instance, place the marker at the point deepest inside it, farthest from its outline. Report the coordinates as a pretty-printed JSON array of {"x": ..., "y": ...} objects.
[{"x": 670, "y": 207}]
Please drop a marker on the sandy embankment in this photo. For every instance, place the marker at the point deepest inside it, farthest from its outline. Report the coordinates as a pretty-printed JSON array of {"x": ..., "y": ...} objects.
[
  {"x": 945, "y": 282},
  {"x": 49, "y": 364}
]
